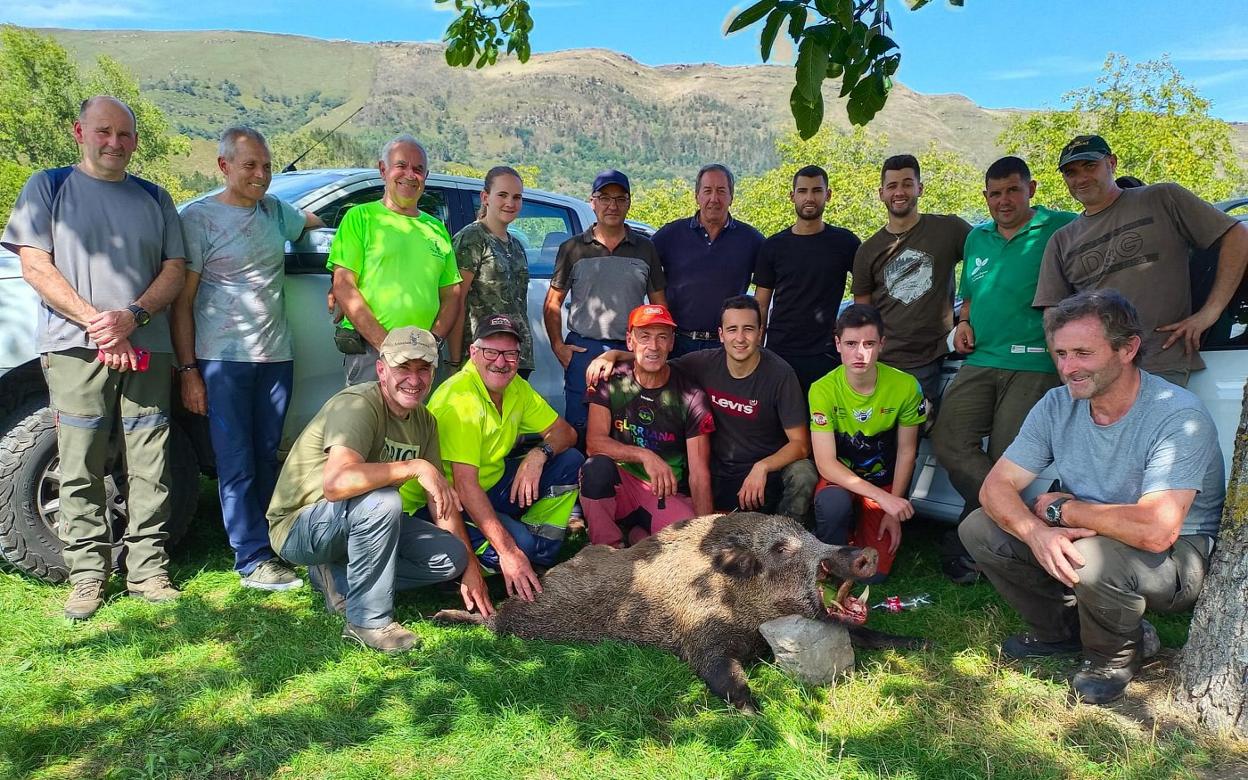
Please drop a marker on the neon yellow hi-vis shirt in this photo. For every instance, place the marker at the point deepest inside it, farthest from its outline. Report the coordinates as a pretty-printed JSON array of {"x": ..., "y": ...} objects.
[
  {"x": 471, "y": 430},
  {"x": 400, "y": 262},
  {"x": 866, "y": 425}
]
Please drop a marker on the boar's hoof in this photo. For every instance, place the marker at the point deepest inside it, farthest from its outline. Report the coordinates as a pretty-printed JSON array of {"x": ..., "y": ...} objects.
[{"x": 861, "y": 636}]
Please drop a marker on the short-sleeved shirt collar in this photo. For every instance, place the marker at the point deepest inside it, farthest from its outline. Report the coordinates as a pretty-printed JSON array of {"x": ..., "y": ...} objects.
[
  {"x": 589, "y": 238},
  {"x": 696, "y": 224},
  {"x": 1038, "y": 220}
]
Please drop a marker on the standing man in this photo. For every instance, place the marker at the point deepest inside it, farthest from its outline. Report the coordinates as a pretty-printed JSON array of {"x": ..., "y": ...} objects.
[
  {"x": 337, "y": 506},
  {"x": 233, "y": 344},
  {"x": 760, "y": 449},
  {"x": 1139, "y": 241},
  {"x": 609, "y": 270},
  {"x": 103, "y": 249},
  {"x": 649, "y": 426},
  {"x": 1142, "y": 481},
  {"x": 706, "y": 259},
  {"x": 1007, "y": 366},
  {"x": 481, "y": 412},
  {"x": 905, "y": 271},
  {"x": 393, "y": 264},
  {"x": 804, "y": 268}
]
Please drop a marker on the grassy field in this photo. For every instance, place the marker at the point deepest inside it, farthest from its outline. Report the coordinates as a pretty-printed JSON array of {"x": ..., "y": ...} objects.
[{"x": 230, "y": 683}]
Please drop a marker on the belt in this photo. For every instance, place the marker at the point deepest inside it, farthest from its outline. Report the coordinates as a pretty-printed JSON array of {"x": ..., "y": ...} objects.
[{"x": 699, "y": 335}]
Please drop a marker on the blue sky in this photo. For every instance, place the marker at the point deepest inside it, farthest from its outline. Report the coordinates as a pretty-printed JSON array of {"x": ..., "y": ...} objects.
[{"x": 999, "y": 53}]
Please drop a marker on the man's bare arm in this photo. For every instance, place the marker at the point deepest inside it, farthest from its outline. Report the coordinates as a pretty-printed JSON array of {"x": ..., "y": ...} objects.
[
  {"x": 349, "y": 299},
  {"x": 907, "y": 452},
  {"x": 1232, "y": 259},
  {"x": 796, "y": 448},
  {"x": 41, "y": 273},
  {"x": 763, "y": 296},
  {"x": 1153, "y": 523},
  {"x": 698, "y": 449},
  {"x": 449, "y": 300}
]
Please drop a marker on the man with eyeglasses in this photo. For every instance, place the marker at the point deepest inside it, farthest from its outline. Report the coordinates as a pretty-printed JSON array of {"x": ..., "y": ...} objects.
[
  {"x": 481, "y": 411},
  {"x": 609, "y": 270}
]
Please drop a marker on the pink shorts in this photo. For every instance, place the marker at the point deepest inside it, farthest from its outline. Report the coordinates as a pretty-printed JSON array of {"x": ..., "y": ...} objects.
[{"x": 603, "y": 515}]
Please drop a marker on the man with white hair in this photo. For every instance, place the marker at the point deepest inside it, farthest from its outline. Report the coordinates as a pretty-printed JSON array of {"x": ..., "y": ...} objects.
[{"x": 393, "y": 264}]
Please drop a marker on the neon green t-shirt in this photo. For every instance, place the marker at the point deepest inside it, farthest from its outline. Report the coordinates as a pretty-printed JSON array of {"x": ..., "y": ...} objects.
[
  {"x": 399, "y": 262},
  {"x": 866, "y": 426},
  {"x": 472, "y": 431}
]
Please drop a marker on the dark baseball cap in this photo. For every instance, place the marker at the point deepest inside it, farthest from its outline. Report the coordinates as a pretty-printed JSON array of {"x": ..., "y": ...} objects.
[
  {"x": 498, "y": 323},
  {"x": 1083, "y": 147},
  {"x": 610, "y": 176}
]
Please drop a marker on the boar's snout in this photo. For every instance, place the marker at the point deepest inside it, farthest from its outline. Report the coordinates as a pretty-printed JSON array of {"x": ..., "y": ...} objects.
[{"x": 849, "y": 563}]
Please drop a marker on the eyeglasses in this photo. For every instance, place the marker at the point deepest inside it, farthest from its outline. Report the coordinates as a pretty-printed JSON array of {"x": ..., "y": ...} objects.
[
  {"x": 490, "y": 355},
  {"x": 606, "y": 200}
]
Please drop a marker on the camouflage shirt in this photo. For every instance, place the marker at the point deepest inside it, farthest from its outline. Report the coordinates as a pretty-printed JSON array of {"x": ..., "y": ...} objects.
[{"x": 500, "y": 282}]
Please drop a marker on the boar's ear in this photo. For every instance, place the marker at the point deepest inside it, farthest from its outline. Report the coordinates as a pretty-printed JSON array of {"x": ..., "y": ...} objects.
[{"x": 736, "y": 560}]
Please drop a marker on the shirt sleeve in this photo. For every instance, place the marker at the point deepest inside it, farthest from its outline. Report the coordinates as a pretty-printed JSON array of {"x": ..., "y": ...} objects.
[
  {"x": 351, "y": 422},
  {"x": 864, "y": 282},
  {"x": 1199, "y": 222},
  {"x": 347, "y": 250},
  {"x": 914, "y": 410},
  {"x": 1052, "y": 286},
  {"x": 291, "y": 219},
  {"x": 173, "y": 247},
  {"x": 698, "y": 419},
  {"x": 657, "y": 279},
  {"x": 459, "y": 430},
  {"x": 821, "y": 417},
  {"x": 765, "y": 267},
  {"x": 600, "y": 393},
  {"x": 562, "y": 276},
  {"x": 469, "y": 250},
  {"x": 30, "y": 223},
  {"x": 450, "y": 268},
  {"x": 1181, "y": 453},
  {"x": 195, "y": 237},
  {"x": 791, "y": 406},
  {"x": 1032, "y": 448},
  {"x": 538, "y": 415}
]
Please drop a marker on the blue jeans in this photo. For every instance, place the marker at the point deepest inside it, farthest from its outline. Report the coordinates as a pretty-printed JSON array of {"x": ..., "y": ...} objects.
[
  {"x": 560, "y": 471},
  {"x": 574, "y": 410},
  {"x": 246, "y": 410},
  {"x": 373, "y": 549}
]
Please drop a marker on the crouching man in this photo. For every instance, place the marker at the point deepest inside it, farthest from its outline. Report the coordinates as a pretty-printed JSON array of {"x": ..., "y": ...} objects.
[
  {"x": 1142, "y": 490},
  {"x": 337, "y": 507},
  {"x": 647, "y": 422}
]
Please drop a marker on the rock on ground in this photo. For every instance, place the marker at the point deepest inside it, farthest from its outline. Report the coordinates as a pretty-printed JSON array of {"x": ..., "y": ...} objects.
[{"x": 814, "y": 651}]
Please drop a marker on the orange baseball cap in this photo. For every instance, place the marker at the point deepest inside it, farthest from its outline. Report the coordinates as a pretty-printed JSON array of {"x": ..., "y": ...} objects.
[{"x": 650, "y": 314}]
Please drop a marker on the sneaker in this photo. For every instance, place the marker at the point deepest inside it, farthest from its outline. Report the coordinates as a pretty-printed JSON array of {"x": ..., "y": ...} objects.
[
  {"x": 1150, "y": 643},
  {"x": 393, "y": 638},
  {"x": 1096, "y": 683},
  {"x": 157, "y": 589},
  {"x": 1029, "y": 646},
  {"x": 322, "y": 578},
  {"x": 85, "y": 599},
  {"x": 272, "y": 575},
  {"x": 961, "y": 570}
]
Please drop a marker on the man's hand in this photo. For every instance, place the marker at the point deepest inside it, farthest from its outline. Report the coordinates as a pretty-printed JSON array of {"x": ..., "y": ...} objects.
[
  {"x": 964, "y": 338},
  {"x": 519, "y": 575},
  {"x": 120, "y": 356},
  {"x": 896, "y": 506},
  {"x": 524, "y": 487},
  {"x": 753, "y": 492},
  {"x": 441, "y": 498},
  {"x": 194, "y": 394},
  {"x": 1189, "y": 330},
  {"x": 473, "y": 591},
  {"x": 659, "y": 474},
  {"x": 109, "y": 327},
  {"x": 1040, "y": 506},
  {"x": 599, "y": 368},
  {"x": 1054, "y": 550},
  {"x": 564, "y": 353},
  {"x": 892, "y": 526}
]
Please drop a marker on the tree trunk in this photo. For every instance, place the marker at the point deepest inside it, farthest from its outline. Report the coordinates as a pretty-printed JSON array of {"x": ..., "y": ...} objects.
[{"x": 1213, "y": 667}]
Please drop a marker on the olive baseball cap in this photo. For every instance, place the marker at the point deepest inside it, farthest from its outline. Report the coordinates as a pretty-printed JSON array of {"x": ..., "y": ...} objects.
[
  {"x": 409, "y": 343},
  {"x": 1083, "y": 147},
  {"x": 498, "y": 323}
]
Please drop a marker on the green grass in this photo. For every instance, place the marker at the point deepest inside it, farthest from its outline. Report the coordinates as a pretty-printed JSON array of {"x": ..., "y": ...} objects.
[{"x": 229, "y": 683}]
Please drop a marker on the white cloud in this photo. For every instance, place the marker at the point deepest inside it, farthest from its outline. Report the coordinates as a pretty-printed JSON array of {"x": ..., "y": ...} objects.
[
  {"x": 1228, "y": 44},
  {"x": 1046, "y": 67},
  {"x": 53, "y": 13},
  {"x": 1216, "y": 79}
]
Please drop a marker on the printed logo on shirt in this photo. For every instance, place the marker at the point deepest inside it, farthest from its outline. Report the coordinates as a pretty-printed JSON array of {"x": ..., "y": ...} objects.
[
  {"x": 979, "y": 269},
  {"x": 738, "y": 407},
  {"x": 394, "y": 451},
  {"x": 862, "y": 415},
  {"x": 819, "y": 418},
  {"x": 643, "y": 436},
  {"x": 645, "y": 415},
  {"x": 908, "y": 276}
]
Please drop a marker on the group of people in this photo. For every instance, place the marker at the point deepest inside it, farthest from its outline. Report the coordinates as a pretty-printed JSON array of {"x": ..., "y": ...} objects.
[{"x": 1077, "y": 331}]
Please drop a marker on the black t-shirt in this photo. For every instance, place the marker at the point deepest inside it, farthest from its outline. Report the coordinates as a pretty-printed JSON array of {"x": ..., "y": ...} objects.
[
  {"x": 807, "y": 277},
  {"x": 751, "y": 413}
]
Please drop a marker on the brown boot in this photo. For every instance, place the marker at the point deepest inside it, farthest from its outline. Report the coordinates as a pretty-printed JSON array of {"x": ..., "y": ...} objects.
[
  {"x": 157, "y": 589},
  {"x": 85, "y": 599},
  {"x": 322, "y": 578},
  {"x": 393, "y": 638}
]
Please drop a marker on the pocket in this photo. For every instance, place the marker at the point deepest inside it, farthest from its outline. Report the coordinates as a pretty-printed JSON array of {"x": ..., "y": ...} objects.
[{"x": 349, "y": 341}]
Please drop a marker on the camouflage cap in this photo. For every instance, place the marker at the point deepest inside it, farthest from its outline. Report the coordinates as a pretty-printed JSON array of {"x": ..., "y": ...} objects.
[{"x": 409, "y": 343}]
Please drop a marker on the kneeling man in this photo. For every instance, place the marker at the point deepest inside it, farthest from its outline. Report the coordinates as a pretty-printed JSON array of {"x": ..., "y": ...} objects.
[
  {"x": 647, "y": 422},
  {"x": 481, "y": 411},
  {"x": 337, "y": 507},
  {"x": 1139, "y": 508}
]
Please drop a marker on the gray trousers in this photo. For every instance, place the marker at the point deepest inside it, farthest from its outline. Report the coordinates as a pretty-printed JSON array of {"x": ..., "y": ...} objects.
[
  {"x": 360, "y": 368},
  {"x": 1116, "y": 584},
  {"x": 373, "y": 549},
  {"x": 981, "y": 402}
]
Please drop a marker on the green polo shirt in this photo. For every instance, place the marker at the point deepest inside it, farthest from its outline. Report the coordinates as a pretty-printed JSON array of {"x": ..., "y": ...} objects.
[
  {"x": 472, "y": 431},
  {"x": 999, "y": 278}
]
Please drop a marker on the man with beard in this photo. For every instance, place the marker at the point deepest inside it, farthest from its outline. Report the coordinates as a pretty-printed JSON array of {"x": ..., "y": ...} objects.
[
  {"x": 1139, "y": 241},
  {"x": 800, "y": 281},
  {"x": 1139, "y": 508},
  {"x": 905, "y": 270}
]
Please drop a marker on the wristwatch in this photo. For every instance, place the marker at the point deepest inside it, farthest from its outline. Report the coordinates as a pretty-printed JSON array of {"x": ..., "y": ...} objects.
[
  {"x": 1053, "y": 512},
  {"x": 141, "y": 317},
  {"x": 546, "y": 450}
]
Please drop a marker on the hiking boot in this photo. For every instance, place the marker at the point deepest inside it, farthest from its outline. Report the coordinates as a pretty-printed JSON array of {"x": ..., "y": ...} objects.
[
  {"x": 393, "y": 638},
  {"x": 321, "y": 575},
  {"x": 86, "y": 597},
  {"x": 961, "y": 570},
  {"x": 157, "y": 589},
  {"x": 1098, "y": 683},
  {"x": 1150, "y": 643},
  {"x": 271, "y": 575},
  {"x": 1029, "y": 646}
]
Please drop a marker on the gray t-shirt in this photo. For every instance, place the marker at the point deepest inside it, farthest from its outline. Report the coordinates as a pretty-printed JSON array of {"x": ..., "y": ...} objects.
[
  {"x": 1167, "y": 441},
  {"x": 1139, "y": 246},
  {"x": 240, "y": 254},
  {"x": 605, "y": 286},
  {"x": 108, "y": 239}
]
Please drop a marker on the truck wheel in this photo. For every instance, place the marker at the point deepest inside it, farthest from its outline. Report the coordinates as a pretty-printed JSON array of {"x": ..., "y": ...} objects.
[
  {"x": 30, "y": 505},
  {"x": 22, "y": 394}
]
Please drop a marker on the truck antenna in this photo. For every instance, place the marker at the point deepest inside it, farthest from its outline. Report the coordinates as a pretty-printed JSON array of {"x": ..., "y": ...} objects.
[{"x": 291, "y": 167}]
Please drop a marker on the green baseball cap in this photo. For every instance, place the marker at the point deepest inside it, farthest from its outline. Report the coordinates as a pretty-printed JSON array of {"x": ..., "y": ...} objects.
[{"x": 1083, "y": 147}]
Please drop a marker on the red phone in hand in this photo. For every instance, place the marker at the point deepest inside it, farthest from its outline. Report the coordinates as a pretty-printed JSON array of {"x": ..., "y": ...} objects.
[{"x": 142, "y": 358}]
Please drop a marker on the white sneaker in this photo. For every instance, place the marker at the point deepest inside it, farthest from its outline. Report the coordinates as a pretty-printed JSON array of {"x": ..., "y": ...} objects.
[{"x": 272, "y": 575}]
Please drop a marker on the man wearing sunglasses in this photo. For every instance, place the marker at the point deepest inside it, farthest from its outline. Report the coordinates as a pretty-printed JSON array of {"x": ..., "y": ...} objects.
[{"x": 509, "y": 501}]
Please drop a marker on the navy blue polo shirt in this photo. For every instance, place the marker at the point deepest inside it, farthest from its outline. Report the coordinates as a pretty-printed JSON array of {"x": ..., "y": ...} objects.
[{"x": 700, "y": 272}]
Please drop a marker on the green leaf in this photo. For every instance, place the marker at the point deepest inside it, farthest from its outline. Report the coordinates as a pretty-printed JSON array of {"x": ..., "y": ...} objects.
[
  {"x": 845, "y": 13},
  {"x": 797, "y": 22},
  {"x": 807, "y": 115},
  {"x": 751, "y": 15},
  {"x": 812, "y": 66},
  {"x": 768, "y": 37},
  {"x": 826, "y": 7},
  {"x": 879, "y": 45},
  {"x": 915, "y": 5}
]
